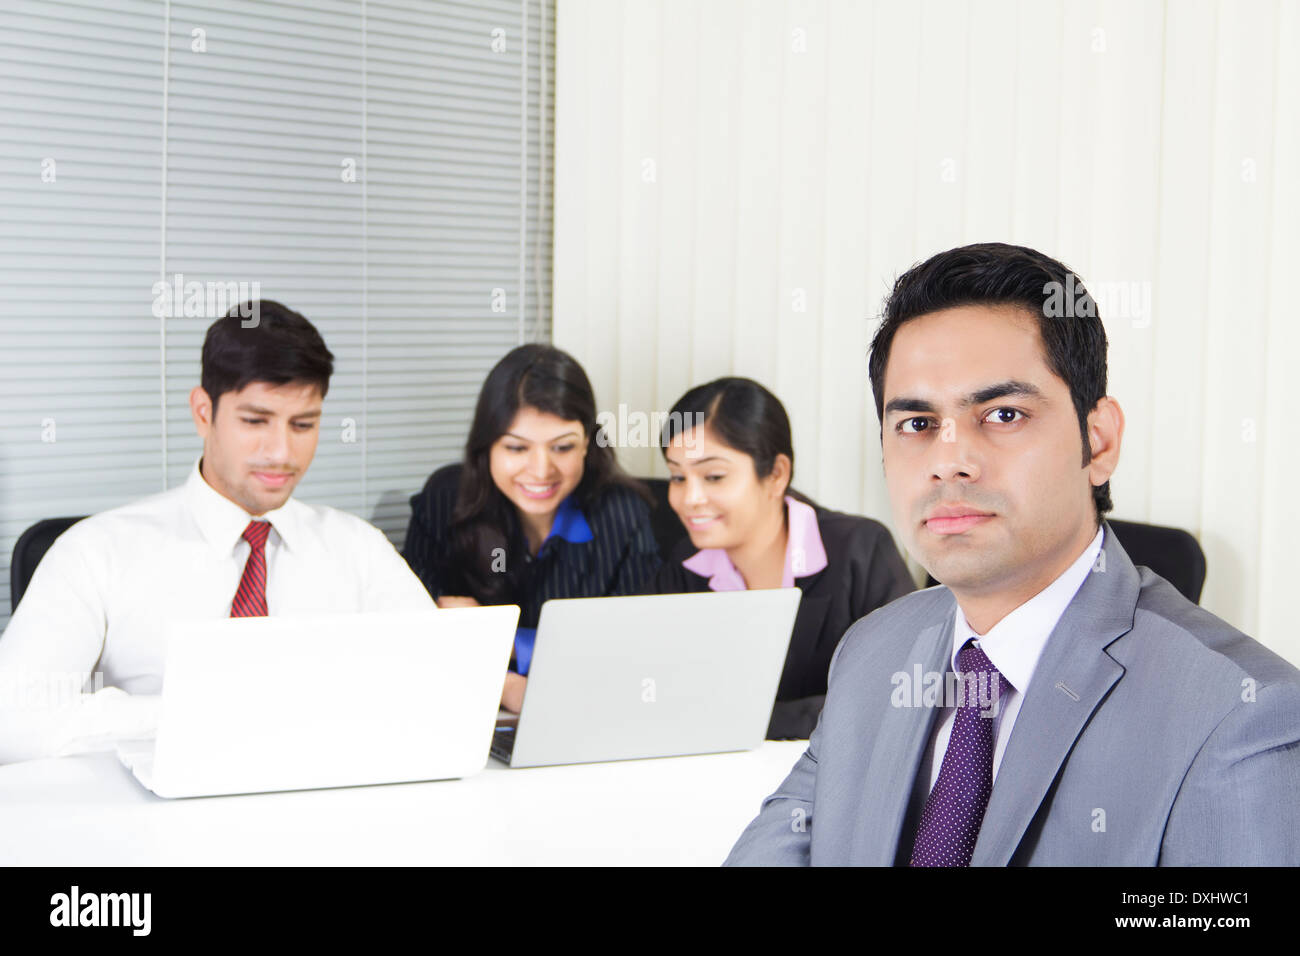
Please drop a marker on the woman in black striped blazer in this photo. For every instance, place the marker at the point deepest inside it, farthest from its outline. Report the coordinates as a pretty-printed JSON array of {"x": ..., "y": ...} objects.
[{"x": 538, "y": 509}]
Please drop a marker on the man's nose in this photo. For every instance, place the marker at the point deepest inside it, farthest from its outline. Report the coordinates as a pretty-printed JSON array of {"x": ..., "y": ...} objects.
[
  {"x": 953, "y": 454},
  {"x": 275, "y": 444}
]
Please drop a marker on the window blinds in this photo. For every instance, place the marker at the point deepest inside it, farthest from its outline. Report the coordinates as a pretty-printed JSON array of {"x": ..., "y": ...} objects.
[{"x": 377, "y": 166}]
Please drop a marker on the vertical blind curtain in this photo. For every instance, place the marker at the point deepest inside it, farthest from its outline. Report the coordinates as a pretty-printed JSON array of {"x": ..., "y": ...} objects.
[{"x": 378, "y": 166}]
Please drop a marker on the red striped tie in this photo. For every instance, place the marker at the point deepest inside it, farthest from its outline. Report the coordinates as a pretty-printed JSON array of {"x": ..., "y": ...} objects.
[{"x": 250, "y": 599}]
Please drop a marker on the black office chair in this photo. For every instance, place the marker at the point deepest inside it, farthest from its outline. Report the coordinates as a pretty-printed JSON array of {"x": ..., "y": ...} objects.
[
  {"x": 28, "y": 551},
  {"x": 1171, "y": 553}
]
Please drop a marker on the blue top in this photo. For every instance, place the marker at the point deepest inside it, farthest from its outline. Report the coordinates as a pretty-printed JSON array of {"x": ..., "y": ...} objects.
[
  {"x": 569, "y": 525},
  {"x": 604, "y": 547}
]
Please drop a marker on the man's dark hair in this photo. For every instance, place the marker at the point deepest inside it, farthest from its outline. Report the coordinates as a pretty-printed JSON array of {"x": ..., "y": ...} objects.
[
  {"x": 993, "y": 273},
  {"x": 263, "y": 341}
]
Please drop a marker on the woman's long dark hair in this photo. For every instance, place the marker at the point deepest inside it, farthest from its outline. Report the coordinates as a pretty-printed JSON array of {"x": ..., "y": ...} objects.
[
  {"x": 743, "y": 415},
  {"x": 530, "y": 376}
]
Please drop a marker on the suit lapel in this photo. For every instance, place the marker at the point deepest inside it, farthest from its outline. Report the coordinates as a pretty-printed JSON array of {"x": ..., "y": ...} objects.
[
  {"x": 900, "y": 742},
  {"x": 1072, "y": 676}
]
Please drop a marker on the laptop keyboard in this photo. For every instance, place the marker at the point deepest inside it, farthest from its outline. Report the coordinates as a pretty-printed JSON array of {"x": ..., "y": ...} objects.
[{"x": 503, "y": 743}]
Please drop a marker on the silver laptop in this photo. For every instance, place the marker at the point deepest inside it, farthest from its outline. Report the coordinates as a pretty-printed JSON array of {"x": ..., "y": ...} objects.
[
  {"x": 627, "y": 677},
  {"x": 297, "y": 703}
]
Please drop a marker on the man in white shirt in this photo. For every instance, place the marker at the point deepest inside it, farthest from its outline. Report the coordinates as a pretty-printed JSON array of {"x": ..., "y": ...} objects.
[
  {"x": 81, "y": 660},
  {"x": 1116, "y": 723}
]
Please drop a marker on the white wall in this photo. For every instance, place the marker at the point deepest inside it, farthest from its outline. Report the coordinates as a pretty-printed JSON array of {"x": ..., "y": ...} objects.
[{"x": 738, "y": 183}]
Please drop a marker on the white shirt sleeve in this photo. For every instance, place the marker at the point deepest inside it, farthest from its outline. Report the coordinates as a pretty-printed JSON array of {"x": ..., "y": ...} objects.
[
  {"x": 48, "y": 654},
  {"x": 390, "y": 583}
]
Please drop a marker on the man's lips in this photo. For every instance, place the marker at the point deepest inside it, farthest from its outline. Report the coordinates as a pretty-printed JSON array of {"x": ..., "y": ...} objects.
[
  {"x": 955, "y": 519},
  {"x": 273, "y": 479},
  {"x": 956, "y": 525}
]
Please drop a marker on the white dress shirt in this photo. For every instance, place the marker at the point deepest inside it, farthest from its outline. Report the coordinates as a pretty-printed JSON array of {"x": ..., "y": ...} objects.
[
  {"x": 104, "y": 593},
  {"x": 1013, "y": 645}
]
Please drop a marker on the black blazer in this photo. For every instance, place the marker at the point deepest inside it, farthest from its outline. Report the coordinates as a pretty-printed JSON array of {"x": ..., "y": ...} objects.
[
  {"x": 863, "y": 571},
  {"x": 621, "y": 558}
]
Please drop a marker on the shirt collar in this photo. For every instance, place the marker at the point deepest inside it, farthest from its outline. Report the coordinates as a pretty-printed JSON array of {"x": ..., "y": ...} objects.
[
  {"x": 570, "y": 524},
  {"x": 805, "y": 555},
  {"x": 222, "y": 522},
  {"x": 1015, "y": 643}
]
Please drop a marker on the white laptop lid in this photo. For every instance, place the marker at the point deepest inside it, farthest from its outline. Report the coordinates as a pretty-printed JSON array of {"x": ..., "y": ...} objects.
[
  {"x": 652, "y": 676},
  {"x": 292, "y": 703}
]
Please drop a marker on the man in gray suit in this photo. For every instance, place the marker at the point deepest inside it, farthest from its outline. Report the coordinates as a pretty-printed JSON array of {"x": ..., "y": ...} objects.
[{"x": 1049, "y": 703}]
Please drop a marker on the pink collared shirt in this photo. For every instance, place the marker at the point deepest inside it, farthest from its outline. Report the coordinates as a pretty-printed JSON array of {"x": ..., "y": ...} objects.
[{"x": 804, "y": 553}]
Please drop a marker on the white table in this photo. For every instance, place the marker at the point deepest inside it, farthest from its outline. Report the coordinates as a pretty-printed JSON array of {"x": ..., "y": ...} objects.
[{"x": 89, "y": 811}]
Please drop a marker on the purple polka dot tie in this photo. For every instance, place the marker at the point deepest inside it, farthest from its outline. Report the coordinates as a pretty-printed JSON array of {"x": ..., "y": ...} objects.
[{"x": 953, "y": 812}]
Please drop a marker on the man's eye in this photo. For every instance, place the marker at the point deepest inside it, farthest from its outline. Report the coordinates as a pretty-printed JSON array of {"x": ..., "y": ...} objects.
[
  {"x": 902, "y": 426},
  {"x": 254, "y": 421},
  {"x": 304, "y": 426},
  {"x": 1004, "y": 416},
  {"x": 714, "y": 478},
  {"x": 676, "y": 478}
]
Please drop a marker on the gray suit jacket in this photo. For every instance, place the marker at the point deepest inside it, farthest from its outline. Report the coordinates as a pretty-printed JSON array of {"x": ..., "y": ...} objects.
[{"x": 1152, "y": 733}]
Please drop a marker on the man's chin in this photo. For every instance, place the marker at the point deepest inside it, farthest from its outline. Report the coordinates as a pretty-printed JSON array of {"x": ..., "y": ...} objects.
[
  {"x": 964, "y": 572},
  {"x": 260, "y": 504}
]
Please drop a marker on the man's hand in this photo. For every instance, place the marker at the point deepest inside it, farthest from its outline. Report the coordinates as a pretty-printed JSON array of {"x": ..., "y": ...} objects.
[
  {"x": 448, "y": 601},
  {"x": 512, "y": 695}
]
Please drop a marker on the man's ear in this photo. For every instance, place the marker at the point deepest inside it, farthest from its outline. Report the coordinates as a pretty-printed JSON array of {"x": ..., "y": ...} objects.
[
  {"x": 202, "y": 411},
  {"x": 1105, "y": 433}
]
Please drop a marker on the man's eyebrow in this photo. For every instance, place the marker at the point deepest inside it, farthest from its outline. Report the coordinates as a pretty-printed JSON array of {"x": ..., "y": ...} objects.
[
  {"x": 908, "y": 405},
  {"x": 270, "y": 412},
  {"x": 986, "y": 394},
  {"x": 1002, "y": 390}
]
